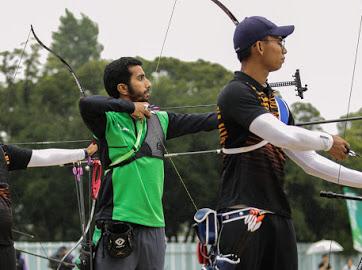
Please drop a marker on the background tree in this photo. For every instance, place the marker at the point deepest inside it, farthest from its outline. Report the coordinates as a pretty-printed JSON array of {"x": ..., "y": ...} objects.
[
  {"x": 305, "y": 112},
  {"x": 76, "y": 41}
]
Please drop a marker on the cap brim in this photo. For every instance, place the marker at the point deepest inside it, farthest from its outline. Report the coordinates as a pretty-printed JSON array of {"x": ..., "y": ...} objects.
[{"x": 282, "y": 31}]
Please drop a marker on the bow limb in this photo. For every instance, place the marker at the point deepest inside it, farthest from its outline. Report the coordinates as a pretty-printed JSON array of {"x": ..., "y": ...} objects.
[
  {"x": 95, "y": 186},
  {"x": 227, "y": 11},
  {"x": 82, "y": 238},
  {"x": 85, "y": 225},
  {"x": 62, "y": 60}
]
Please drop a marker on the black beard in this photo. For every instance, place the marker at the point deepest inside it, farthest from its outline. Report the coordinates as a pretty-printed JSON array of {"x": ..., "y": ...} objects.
[{"x": 135, "y": 97}]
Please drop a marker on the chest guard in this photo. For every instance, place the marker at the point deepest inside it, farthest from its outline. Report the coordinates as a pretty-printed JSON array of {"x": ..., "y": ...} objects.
[
  {"x": 152, "y": 146},
  {"x": 283, "y": 111},
  {"x": 4, "y": 173}
]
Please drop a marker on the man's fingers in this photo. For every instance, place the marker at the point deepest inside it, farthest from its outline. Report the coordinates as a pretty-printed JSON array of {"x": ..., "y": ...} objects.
[
  {"x": 340, "y": 148},
  {"x": 342, "y": 156},
  {"x": 141, "y": 110},
  {"x": 137, "y": 115},
  {"x": 147, "y": 113}
]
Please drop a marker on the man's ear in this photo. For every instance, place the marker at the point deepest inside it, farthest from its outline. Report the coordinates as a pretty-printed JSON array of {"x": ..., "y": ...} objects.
[
  {"x": 258, "y": 47},
  {"x": 122, "y": 89}
]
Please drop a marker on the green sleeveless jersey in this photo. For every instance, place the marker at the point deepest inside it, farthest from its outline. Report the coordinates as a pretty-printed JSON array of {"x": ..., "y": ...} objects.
[{"x": 137, "y": 186}]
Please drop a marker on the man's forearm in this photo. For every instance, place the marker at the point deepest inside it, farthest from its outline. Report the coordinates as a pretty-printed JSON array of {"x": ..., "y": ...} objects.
[
  {"x": 52, "y": 157},
  {"x": 93, "y": 111},
  {"x": 319, "y": 166},
  {"x": 100, "y": 104},
  {"x": 277, "y": 133}
]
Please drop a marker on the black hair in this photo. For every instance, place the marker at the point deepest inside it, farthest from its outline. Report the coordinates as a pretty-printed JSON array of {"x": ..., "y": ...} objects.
[
  {"x": 244, "y": 54},
  {"x": 117, "y": 72}
]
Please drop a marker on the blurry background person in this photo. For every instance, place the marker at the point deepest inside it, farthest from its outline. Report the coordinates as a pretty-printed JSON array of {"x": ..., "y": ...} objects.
[
  {"x": 324, "y": 264},
  {"x": 20, "y": 261},
  {"x": 349, "y": 265}
]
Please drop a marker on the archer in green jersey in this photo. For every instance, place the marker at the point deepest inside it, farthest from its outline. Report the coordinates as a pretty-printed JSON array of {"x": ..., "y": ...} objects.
[{"x": 131, "y": 145}]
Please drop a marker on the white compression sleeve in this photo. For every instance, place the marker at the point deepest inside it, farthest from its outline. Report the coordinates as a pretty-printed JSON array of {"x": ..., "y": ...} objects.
[
  {"x": 271, "y": 129},
  {"x": 319, "y": 166},
  {"x": 51, "y": 157}
]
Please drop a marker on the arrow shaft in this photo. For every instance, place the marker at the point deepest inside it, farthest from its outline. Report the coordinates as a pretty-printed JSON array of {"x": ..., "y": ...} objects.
[
  {"x": 329, "y": 121},
  {"x": 46, "y": 258},
  {"x": 332, "y": 195}
]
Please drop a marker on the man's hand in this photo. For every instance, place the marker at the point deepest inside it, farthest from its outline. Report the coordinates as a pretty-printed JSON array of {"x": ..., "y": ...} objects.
[
  {"x": 91, "y": 149},
  {"x": 340, "y": 148},
  {"x": 141, "y": 110}
]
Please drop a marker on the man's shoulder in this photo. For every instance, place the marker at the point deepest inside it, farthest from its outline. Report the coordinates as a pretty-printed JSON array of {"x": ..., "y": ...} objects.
[
  {"x": 14, "y": 150},
  {"x": 236, "y": 84},
  {"x": 236, "y": 89},
  {"x": 17, "y": 158}
]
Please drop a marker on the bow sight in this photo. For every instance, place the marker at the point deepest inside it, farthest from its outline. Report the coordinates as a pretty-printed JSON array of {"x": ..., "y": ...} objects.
[{"x": 296, "y": 82}]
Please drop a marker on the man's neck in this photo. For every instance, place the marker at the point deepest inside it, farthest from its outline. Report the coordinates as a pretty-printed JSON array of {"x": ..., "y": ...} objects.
[
  {"x": 255, "y": 71},
  {"x": 124, "y": 97}
]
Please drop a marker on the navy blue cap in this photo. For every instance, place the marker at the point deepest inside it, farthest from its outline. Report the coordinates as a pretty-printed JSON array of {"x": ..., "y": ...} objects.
[{"x": 255, "y": 28}]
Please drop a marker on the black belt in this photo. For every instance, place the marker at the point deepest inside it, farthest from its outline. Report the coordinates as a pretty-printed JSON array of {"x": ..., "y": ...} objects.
[{"x": 104, "y": 224}]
